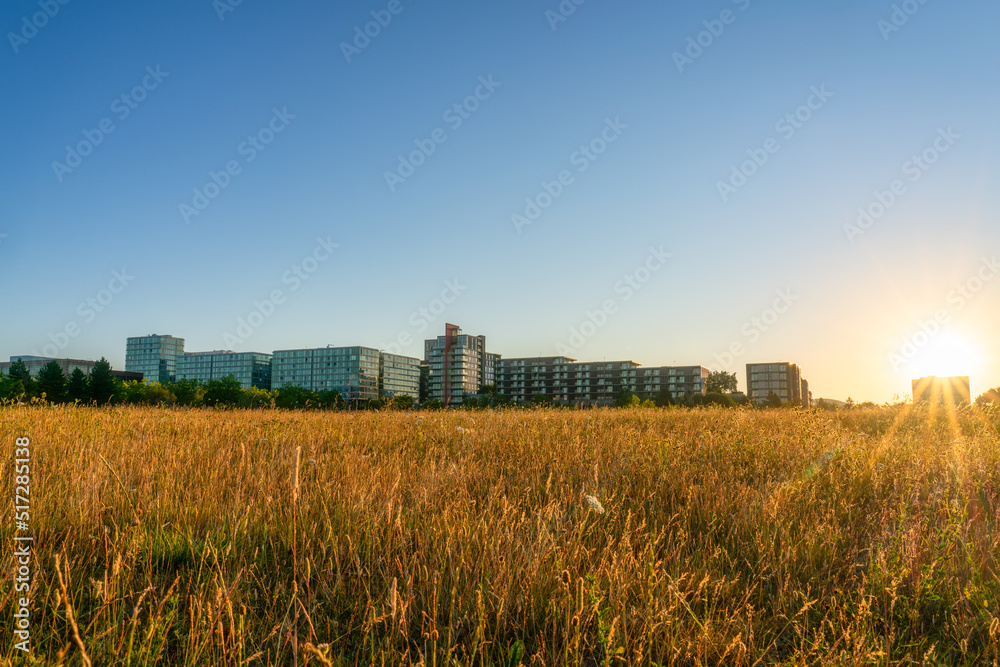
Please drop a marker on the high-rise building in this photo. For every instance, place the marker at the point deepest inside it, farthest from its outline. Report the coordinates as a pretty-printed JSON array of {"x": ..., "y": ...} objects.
[
  {"x": 252, "y": 369},
  {"x": 155, "y": 356},
  {"x": 782, "y": 379},
  {"x": 399, "y": 376},
  {"x": 353, "y": 371},
  {"x": 951, "y": 390},
  {"x": 459, "y": 365}
]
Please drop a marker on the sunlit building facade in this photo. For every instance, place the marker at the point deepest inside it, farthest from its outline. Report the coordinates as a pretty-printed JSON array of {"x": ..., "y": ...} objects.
[
  {"x": 252, "y": 369},
  {"x": 399, "y": 376},
  {"x": 155, "y": 356},
  {"x": 353, "y": 371},
  {"x": 458, "y": 365},
  {"x": 566, "y": 380},
  {"x": 781, "y": 379}
]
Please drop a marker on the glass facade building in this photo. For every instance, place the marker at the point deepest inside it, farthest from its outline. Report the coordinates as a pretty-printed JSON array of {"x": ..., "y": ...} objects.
[
  {"x": 155, "y": 356},
  {"x": 399, "y": 375},
  {"x": 252, "y": 369},
  {"x": 353, "y": 371}
]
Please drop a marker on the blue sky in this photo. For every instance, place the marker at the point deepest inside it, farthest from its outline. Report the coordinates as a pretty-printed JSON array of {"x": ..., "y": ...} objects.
[{"x": 859, "y": 305}]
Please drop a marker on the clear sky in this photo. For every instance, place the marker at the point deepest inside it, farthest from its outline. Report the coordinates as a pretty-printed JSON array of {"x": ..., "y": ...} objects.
[{"x": 215, "y": 155}]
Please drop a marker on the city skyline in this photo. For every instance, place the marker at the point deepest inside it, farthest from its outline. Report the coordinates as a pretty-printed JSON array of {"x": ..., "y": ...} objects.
[
  {"x": 716, "y": 184},
  {"x": 456, "y": 366}
]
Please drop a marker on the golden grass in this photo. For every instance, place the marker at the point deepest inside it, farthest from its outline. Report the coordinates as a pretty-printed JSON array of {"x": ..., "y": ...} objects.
[{"x": 734, "y": 537}]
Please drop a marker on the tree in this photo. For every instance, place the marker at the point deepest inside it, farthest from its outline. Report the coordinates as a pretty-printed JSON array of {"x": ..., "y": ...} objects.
[
  {"x": 664, "y": 397},
  {"x": 291, "y": 397},
  {"x": 626, "y": 399},
  {"x": 773, "y": 400},
  {"x": 157, "y": 394},
  {"x": 52, "y": 382},
  {"x": 991, "y": 397},
  {"x": 19, "y": 371},
  {"x": 227, "y": 392},
  {"x": 103, "y": 384},
  {"x": 541, "y": 401},
  {"x": 135, "y": 393},
  {"x": 487, "y": 397},
  {"x": 721, "y": 382},
  {"x": 713, "y": 398},
  {"x": 11, "y": 389},
  {"x": 188, "y": 392},
  {"x": 255, "y": 397},
  {"x": 76, "y": 388},
  {"x": 330, "y": 399},
  {"x": 400, "y": 402}
]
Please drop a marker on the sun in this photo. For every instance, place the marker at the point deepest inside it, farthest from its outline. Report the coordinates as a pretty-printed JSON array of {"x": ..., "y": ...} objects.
[{"x": 948, "y": 354}]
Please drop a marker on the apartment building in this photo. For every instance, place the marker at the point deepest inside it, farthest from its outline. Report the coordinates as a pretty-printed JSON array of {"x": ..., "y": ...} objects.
[
  {"x": 680, "y": 381},
  {"x": 781, "y": 379},
  {"x": 353, "y": 371},
  {"x": 399, "y": 376},
  {"x": 252, "y": 369},
  {"x": 565, "y": 380},
  {"x": 458, "y": 365},
  {"x": 155, "y": 356},
  {"x": 522, "y": 379}
]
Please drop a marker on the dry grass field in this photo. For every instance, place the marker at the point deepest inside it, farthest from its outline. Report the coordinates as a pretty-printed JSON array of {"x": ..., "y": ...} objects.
[{"x": 712, "y": 537}]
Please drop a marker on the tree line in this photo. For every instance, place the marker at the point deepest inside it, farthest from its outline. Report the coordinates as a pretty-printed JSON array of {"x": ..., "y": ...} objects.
[{"x": 101, "y": 387}]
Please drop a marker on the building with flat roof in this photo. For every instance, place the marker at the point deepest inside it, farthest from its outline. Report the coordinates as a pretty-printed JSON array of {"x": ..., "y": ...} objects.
[
  {"x": 353, "y": 371},
  {"x": 458, "y": 365},
  {"x": 35, "y": 364},
  {"x": 566, "y": 380},
  {"x": 680, "y": 381},
  {"x": 522, "y": 379},
  {"x": 252, "y": 369},
  {"x": 782, "y": 379},
  {"x": 950, "y": 390},
  {"x": 399, "y": 376},
  {"x": 155, "y": 356}
]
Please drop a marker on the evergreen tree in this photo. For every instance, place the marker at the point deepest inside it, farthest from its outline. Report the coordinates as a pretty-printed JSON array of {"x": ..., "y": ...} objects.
[
  {"x": 19, "y": 371},
  {"x": 52, "y": 383},
  {"x": 76, "y": 389},
  {"x": 102, "y": 383}
]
